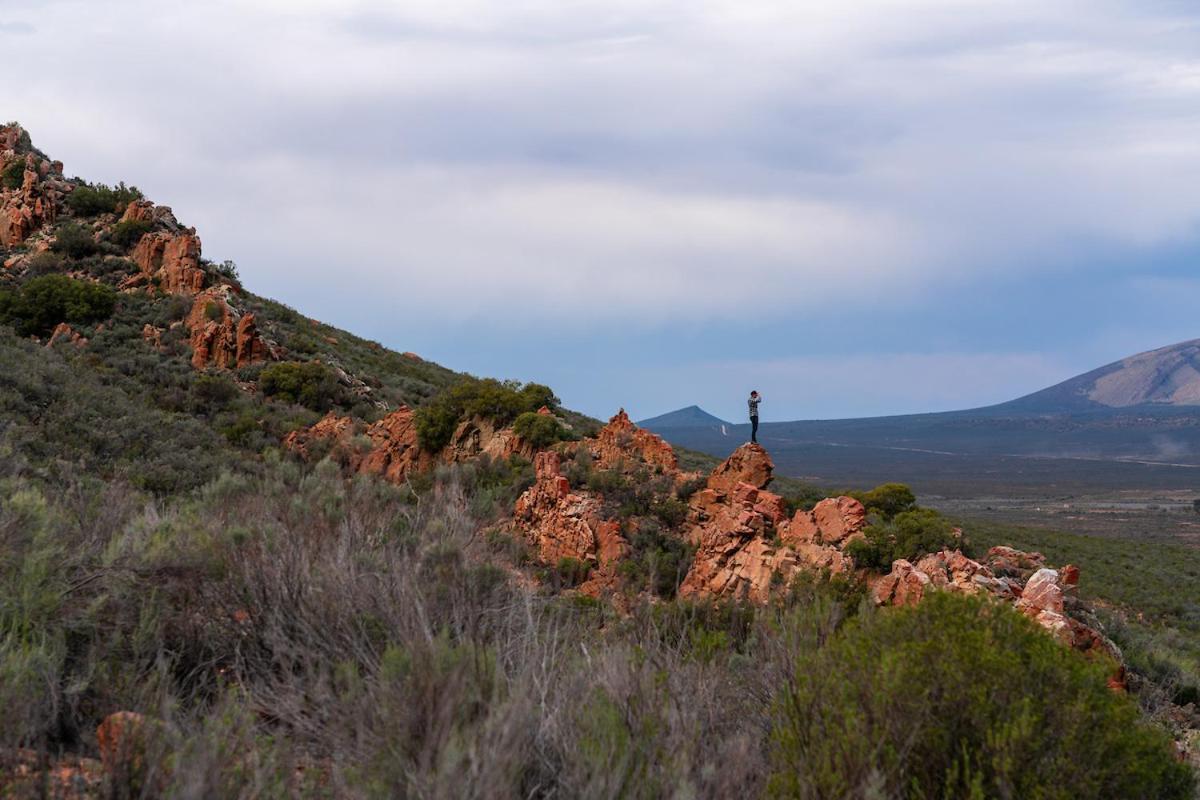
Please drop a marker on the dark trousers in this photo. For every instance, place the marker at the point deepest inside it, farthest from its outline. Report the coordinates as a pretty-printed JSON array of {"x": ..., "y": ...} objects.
[{"x": 754, "y": 429}]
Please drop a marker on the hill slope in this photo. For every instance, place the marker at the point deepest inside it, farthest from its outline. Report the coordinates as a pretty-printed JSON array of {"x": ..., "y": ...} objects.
[{"x": 1168, "y": 376}]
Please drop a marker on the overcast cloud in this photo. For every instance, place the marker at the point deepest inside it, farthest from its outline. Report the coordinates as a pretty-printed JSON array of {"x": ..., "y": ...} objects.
[{"x": 655, "y": 203}]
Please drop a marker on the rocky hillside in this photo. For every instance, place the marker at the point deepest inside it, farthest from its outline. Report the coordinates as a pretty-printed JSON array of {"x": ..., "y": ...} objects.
[{"x": 248, "y": 554}]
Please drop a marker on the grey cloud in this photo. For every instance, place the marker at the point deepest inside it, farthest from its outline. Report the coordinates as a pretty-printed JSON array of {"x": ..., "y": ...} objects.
[{"x": 17, "y": 28}]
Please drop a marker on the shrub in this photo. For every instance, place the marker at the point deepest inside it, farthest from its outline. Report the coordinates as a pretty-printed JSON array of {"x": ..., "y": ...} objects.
[
  {"x": 571, "y": 572},
  {"x": 888, "y": 500},
  {"x": 959, "y": 697},
  {"x": 657, "y": 562},
  {"x": 310, "y": 384},
  {"x": 74, "y": 241},
  {"x": 44, "y": 264},
  {"x": 43, "y": 302},
  {"x": 13, "y": 175},
  {"x": 129, "y": 232},
  {"x": 908, "y": 535},
  {"x": 499, "y": 401},
  {"x": 88, "y": 200},
  {"x": 1196, "y": 506},
  {"x": 539, "y": 430}
]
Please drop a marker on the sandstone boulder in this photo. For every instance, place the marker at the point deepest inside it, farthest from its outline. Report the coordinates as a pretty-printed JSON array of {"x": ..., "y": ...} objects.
[{"x": 750, "y": 464}]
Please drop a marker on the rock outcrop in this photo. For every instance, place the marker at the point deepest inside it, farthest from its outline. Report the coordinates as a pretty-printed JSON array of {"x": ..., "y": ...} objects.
[
  {"x": 36, "y": 202},
  {"x": 221, "y": 335},
  {"x": 172, "y": 260},
  {"x": 395, "y": 452},
  {"x": 622, "y": 442}
]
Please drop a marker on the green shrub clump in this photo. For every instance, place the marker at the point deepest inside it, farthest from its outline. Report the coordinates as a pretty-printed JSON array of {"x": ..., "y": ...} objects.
[
  {"x": 310, "y": 384},
  {"x": 656, "y": 562},
  {"x": 74, "y": 241},
  {"x": 502, "y": 402},
  {"x": 128, "y": 233},
  {"x": 89, "y": 200},
  {"x": 539, "y": 430},
  {"x": 43, "y": 302},
  {"x": 887, "y": 500},
  {"x": 908, "y": 535},
  {"x": 959, "y": 697},
  {"x": 13, "y": 175}
]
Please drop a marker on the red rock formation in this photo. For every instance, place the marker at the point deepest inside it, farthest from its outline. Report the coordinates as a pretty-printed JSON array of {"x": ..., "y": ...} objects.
[
  {"x": 221, "y": 336},
  {"x": 173, "y": 260},
  {"x": 33, "y": 205},
  {"x": 330, "y": 428},
  {"x": 622, "y": 442},
  {"x": 562, "y": 524},
  {"x": 750, "y": 464},
  {"x": 395, "y": 452},
  {"x": 120, "y": 738},
  {"x": 65, "y": 333},
  {"x": 746, "y": 547}
]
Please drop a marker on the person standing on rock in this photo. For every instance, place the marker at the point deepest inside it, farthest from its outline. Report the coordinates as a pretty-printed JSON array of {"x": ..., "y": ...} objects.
[{"x": 755, "y": 399}]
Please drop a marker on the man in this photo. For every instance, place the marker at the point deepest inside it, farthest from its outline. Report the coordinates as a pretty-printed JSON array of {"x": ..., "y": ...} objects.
[{"x": 753, "y": 402}]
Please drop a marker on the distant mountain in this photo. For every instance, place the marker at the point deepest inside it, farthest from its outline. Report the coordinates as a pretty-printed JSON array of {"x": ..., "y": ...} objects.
[
  {"x": 1134, "y": 423},
  {"x": 690, "y": 417},
  {"x": 1168, "y": 376}
]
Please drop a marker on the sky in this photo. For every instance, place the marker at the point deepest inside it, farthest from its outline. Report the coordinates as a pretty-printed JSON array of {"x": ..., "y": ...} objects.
[{"x": 885, "y": 206}]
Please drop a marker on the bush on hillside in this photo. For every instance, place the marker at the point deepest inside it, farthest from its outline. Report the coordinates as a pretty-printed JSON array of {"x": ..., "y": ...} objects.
[
  {"x": 959, "y": 697},
  {"x": 89, "y": 200},
  {"x": 312, "y": 384},
  {"x": 127, "y": 233},
  {"x": 74, "y": 241},
  {"x": 539, "y": 430},
  {"x": 657, "y": 561},
  {"x": 887, "y": 500},
  {"x": 499, "y": 401},
  {"x": 42, "y": 302},
  {"x": 908, "y": 535},
  {"x": 13, "y": 175}
]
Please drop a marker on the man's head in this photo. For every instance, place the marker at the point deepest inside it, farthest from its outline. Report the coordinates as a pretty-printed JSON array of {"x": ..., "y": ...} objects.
[{"x": 753, "y": 393}]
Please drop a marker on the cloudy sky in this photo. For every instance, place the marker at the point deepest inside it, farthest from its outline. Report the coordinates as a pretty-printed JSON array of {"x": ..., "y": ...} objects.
[{"x": 858, "y": 208}]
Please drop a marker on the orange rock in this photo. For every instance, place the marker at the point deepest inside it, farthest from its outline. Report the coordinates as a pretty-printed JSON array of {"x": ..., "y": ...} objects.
[
  {"x": 221, "y": 336},
  {"x": 173, "y": 260},
  {"x": 622, "y": 442},
  {"x": 839, "y": 518},
  {"x": 750, "y": 464},
  {"x": 65, "y": 333},
  {"x": 121, "y": 739},
  {"x": 905, "y": 585},
  {"x": 331, "y": 427}
]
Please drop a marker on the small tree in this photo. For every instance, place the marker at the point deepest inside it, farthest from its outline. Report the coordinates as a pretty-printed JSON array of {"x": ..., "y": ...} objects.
[
  {"x": 43, "y": 302},
  {"x": 1196, "y": 505}
]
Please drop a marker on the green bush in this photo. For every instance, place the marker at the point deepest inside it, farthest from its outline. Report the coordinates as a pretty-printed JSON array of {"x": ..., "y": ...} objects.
[
  {"x": 657, "y": 562},
  {"x": 89, "y": 200},
  {"x": 909, "y": 534},
  {"x": 43, "y": 302},
  {"x": 887, "y": 500},
  {"x": 74, "y": 241},
  {"x": 571, "y": 572},
  {"x": 312, "y": 384},
  {"x": 499, "y": 401},
  {"x": 128, "y": 233},
  {"x": 539, "y": 430},
  {"x": 959, "y": 697},
  {"x": 13, "y": 175}
]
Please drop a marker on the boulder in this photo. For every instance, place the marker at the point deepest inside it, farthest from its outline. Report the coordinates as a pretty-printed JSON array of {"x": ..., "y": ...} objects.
[
  {"x": 221, "y": 336},
  {"x": 750, "y": 464},
  {"x": 121, "y": 739},
  {"x": 905, "y": 585}
]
